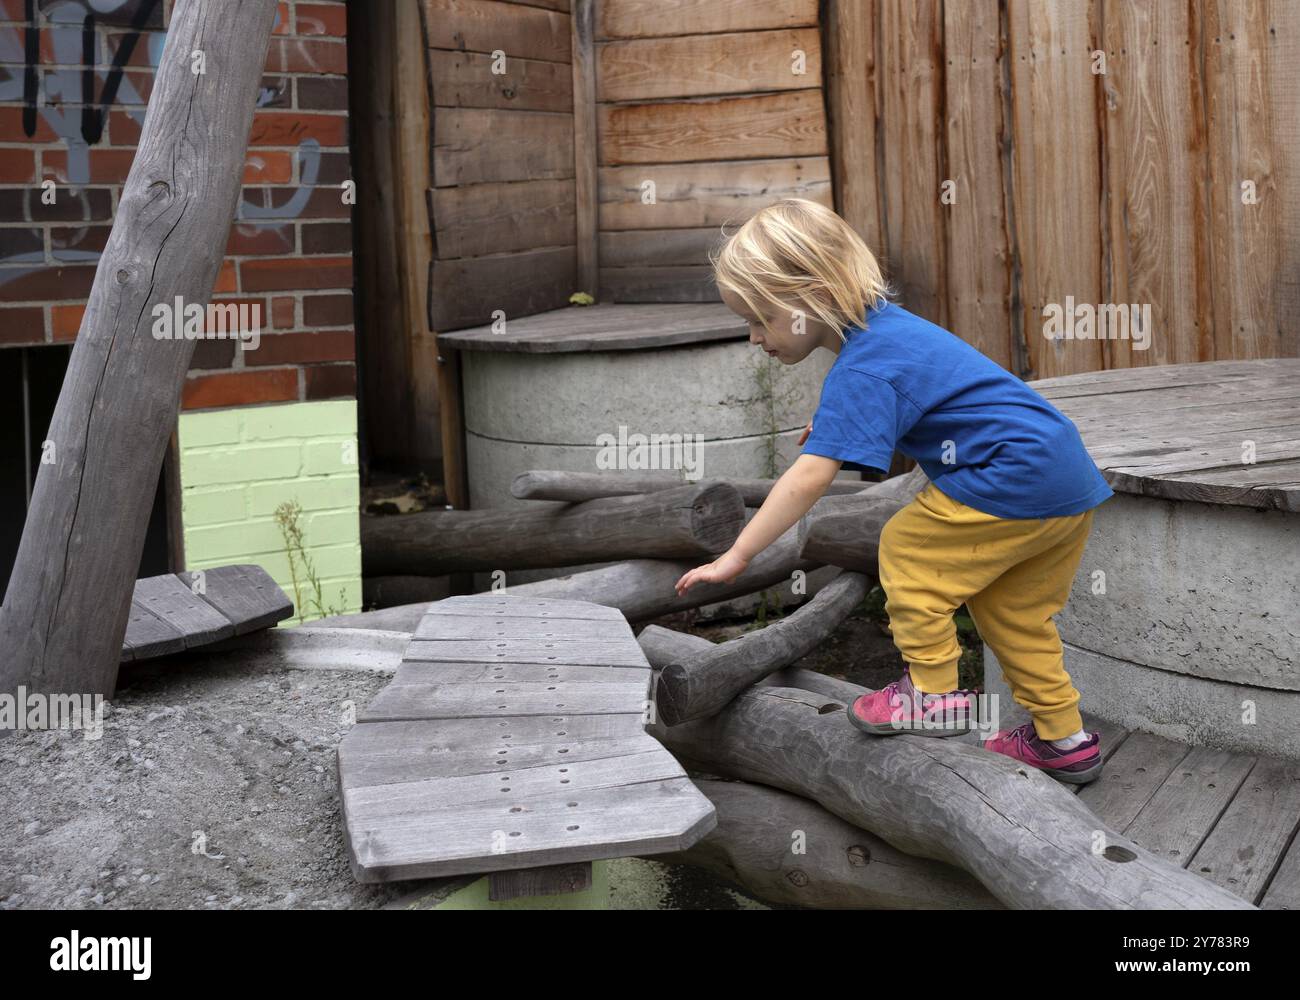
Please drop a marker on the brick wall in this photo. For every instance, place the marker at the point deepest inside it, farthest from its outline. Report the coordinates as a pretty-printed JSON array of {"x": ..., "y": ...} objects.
[{"x": 74, "y": 81}]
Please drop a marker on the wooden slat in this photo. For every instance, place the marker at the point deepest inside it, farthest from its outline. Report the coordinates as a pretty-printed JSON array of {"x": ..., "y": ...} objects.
[
  {"x": 466, "y": 80},
  {"x": 1282, "y": 58},
  {"x": 659, "y": 247},
  {"x": 699, "y": 65},
  {"x": 659, "y": 284},
  {"x": 453, "y": 626},
  {"x": 910, "y": 78},
  {"x": 1133, "y": 774},
  {"x": 533, "y": 607},
  {"x": 1284, "y": 889},
  {"x": 445, "y": 672},
  {"x": 610, "y": 822},
  {"x": 651, "y": 18},
  {"x": 977, "y": 254},
  {"x": 1247, "y": 842},
  {"x": 173, "y": 601},
  {"x": 531, "y": 650},
  {"x": 1158, "y": 220},
  {"x": 606, "y": 327},
  {"x": 470, "y": 146},
  {"x": 737, "y": 128},
  {"x": 472, "y": 220},
  {"x": 245, "y": 595},
  {"x": 1056, "y": 196},
  {"x": 521, "y": 31},
  {"x": 586, "y": 148},
  {"x": 1180, "y": 815},
  {"x": 851, "y": 99},
  {"x": 692, "y": 195},
  {"x": 468, "y": 291},
  {"x": 477, "y": 700},
  {"x": 147, "y": 635}
]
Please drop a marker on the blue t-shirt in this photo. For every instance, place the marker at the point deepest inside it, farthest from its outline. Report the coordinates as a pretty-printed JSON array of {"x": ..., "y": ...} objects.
[{"x": 982, "y": 436}]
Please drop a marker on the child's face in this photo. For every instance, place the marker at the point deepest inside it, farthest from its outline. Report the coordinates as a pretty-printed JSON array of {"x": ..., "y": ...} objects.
[{"x": 794, "y": 334}]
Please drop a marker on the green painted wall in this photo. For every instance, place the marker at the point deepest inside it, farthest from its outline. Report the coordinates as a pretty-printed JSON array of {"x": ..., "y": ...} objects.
[{"x": 238, "y": 465}]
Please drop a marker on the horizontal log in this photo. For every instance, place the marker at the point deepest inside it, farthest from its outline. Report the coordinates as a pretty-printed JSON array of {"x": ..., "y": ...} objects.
[
  {"x": 546, "y": 484},
  {"x": 701, "y": 683},
  {"x": 836, "y": 865},
  {"x": 845, "y": 531},
  {"x": 693, "y": 521},
  {"x": 1028, "y": 840}
]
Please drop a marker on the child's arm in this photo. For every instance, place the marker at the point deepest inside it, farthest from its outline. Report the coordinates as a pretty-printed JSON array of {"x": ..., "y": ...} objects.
[{"x": 802, "y": 486}]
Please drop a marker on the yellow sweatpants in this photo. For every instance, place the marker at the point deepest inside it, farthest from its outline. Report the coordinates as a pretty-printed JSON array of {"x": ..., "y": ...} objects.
[{"x": 1012, "y": 575}]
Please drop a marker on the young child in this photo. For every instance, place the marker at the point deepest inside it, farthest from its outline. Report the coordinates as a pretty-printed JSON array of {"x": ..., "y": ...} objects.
[{"x": 1000, "y": 527}]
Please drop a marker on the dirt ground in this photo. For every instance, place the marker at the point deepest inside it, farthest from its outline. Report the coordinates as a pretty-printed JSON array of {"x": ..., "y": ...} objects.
[{"x": 214, "y": 787}]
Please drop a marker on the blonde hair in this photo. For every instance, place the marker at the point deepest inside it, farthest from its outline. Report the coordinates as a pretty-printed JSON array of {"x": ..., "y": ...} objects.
[{"x": 798, "y": 253}]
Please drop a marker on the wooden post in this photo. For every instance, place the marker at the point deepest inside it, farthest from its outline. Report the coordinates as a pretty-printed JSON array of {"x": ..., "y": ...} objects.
[
  {"x": 65, "y": 612},
  {"x": 585, "y": 153}
]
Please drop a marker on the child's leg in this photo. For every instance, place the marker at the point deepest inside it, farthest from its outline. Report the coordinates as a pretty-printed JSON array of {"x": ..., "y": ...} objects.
[
  {"x": 935, "y": 554},
  {"x": 1014, "y": 616}
]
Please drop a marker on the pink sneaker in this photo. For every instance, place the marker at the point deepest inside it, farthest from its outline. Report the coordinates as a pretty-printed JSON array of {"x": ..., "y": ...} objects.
[
  {"x": 1076, "y": 767},
  {"x": 899, "y": 707}
]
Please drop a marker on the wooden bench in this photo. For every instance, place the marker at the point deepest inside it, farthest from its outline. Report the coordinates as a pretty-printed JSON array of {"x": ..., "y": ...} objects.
[
  {"x": 173, "y": 612},
  {"x": 512, "y": 737}
]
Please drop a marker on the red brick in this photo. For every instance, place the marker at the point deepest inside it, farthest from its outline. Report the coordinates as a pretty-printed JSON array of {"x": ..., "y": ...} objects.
[
  {"x": 15, "y": 242},
  {"x": 13, "y": 10},
  {"x": 11, "y": 127},
  {"x": 283, "y": 308},
  {"x": 72, "y": 242},
  {"x": 321, "y": 203},
  {"x": 124, "y": 128},
  {"x": 240, "y": 388},
  {"x": 71, "y": 204},
  {"x": 318, "y": 19},
  {"x": 323, "y": 168},
  {"x": 327, "y": 310},
  {"x": 227, "y": 279},
  {"x": 251, "y": 238},
  {"x": 43, "y": 284},
  {"x": 107, "y": 166},
  {"x": 323, "y": 93},
  {"x": 265, "y": 166},
  {"x": 282, "y": 22},
  {"x": 210, "y": 355},
  {"x": 17, "y": 166},
  {"x": 280, "y": 275},
  {"x": 330, "y": 381},
  {"x": 22, "y": 326},
  {"x": 294, "y": 55},
  {"x": 301, "y": 348},
  {"x": 256, "y": 309},
  {"x": 327, "y": 237},
  {"x": 289, "y": 128},
  {"x": 65, "y": 321}
]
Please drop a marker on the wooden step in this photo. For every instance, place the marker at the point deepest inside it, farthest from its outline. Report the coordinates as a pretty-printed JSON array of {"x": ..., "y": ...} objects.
[
  {"x": 512, "y": 737},
  {"x": 175, "y": 612}
]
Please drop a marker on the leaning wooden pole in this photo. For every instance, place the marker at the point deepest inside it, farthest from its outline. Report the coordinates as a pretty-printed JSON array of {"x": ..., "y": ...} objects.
[{"x": 65, "y": 611}]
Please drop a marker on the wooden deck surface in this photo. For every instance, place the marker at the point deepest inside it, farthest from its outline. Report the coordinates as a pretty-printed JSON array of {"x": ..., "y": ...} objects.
[
  {"x": 512, "y": 737},
  {"x": 606, "y": 327},
  {"x": 1231, "y": 818},
  {"x": 1181, "y": 431}
]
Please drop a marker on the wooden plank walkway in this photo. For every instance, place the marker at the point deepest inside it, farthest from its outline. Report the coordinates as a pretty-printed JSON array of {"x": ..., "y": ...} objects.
[
  {"x": 512, "y": 737},
  {"x": 172, "y": 613},
  {"x": 1230, "y": 818},
  {"x": 1179, "y": 431}
]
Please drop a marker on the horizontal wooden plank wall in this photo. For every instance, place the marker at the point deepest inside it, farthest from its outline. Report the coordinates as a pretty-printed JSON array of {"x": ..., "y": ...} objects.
[
  {"x": 999, "y": 164},
  {"x": 702, "y": 119},
  {"x": 502, "y": 200}
]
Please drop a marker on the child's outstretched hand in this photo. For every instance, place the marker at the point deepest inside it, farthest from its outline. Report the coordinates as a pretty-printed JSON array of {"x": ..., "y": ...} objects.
[
  {"x": 724, "y": 569},
  {"x": 806, "y": 431}
]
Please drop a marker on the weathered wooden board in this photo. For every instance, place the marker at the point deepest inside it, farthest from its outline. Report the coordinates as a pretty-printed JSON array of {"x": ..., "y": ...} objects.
[
  {"x": 692, "y": 195},
  {"x": 850, "y": 59},
  {"x": 606, "y": 327},
  {"x": 733, "y": 128},
  {"x": 471, "y": 220},
  {"x": 700, "y": 65},
  {"x": 467, "y": 291},
  {"x": 658, "y": 247},
  {"x": 466, "y": 80},
  {"x": 659, "y": 284},
  {"x": 457, "y": 767},
  {"x": 646, "y": 18},
  {"x": 586, "y": 147},
  {"x": 524, "y": 31},
  {"x": 1132, "y": 775},
  {"x": 168, "y": 613},
  {"x": 479, "y": 145}
]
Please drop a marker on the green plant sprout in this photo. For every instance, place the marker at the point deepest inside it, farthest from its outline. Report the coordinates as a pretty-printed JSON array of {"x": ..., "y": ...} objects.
[{"x": 288, "y": 516}]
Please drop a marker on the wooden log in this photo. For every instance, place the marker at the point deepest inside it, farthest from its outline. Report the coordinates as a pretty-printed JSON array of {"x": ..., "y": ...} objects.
[
  {"x": 786, "y": 849},
  {"x": 698, "y": 521},
  {"x": 845, "y": 531},
  {"x": 69, "y": 595},
  {"x": 574, "y": 487},
  {"x": 702, "y": 683},
  {"x": 1028, "y": 840},
  {"x": 663, "y": 646}
]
